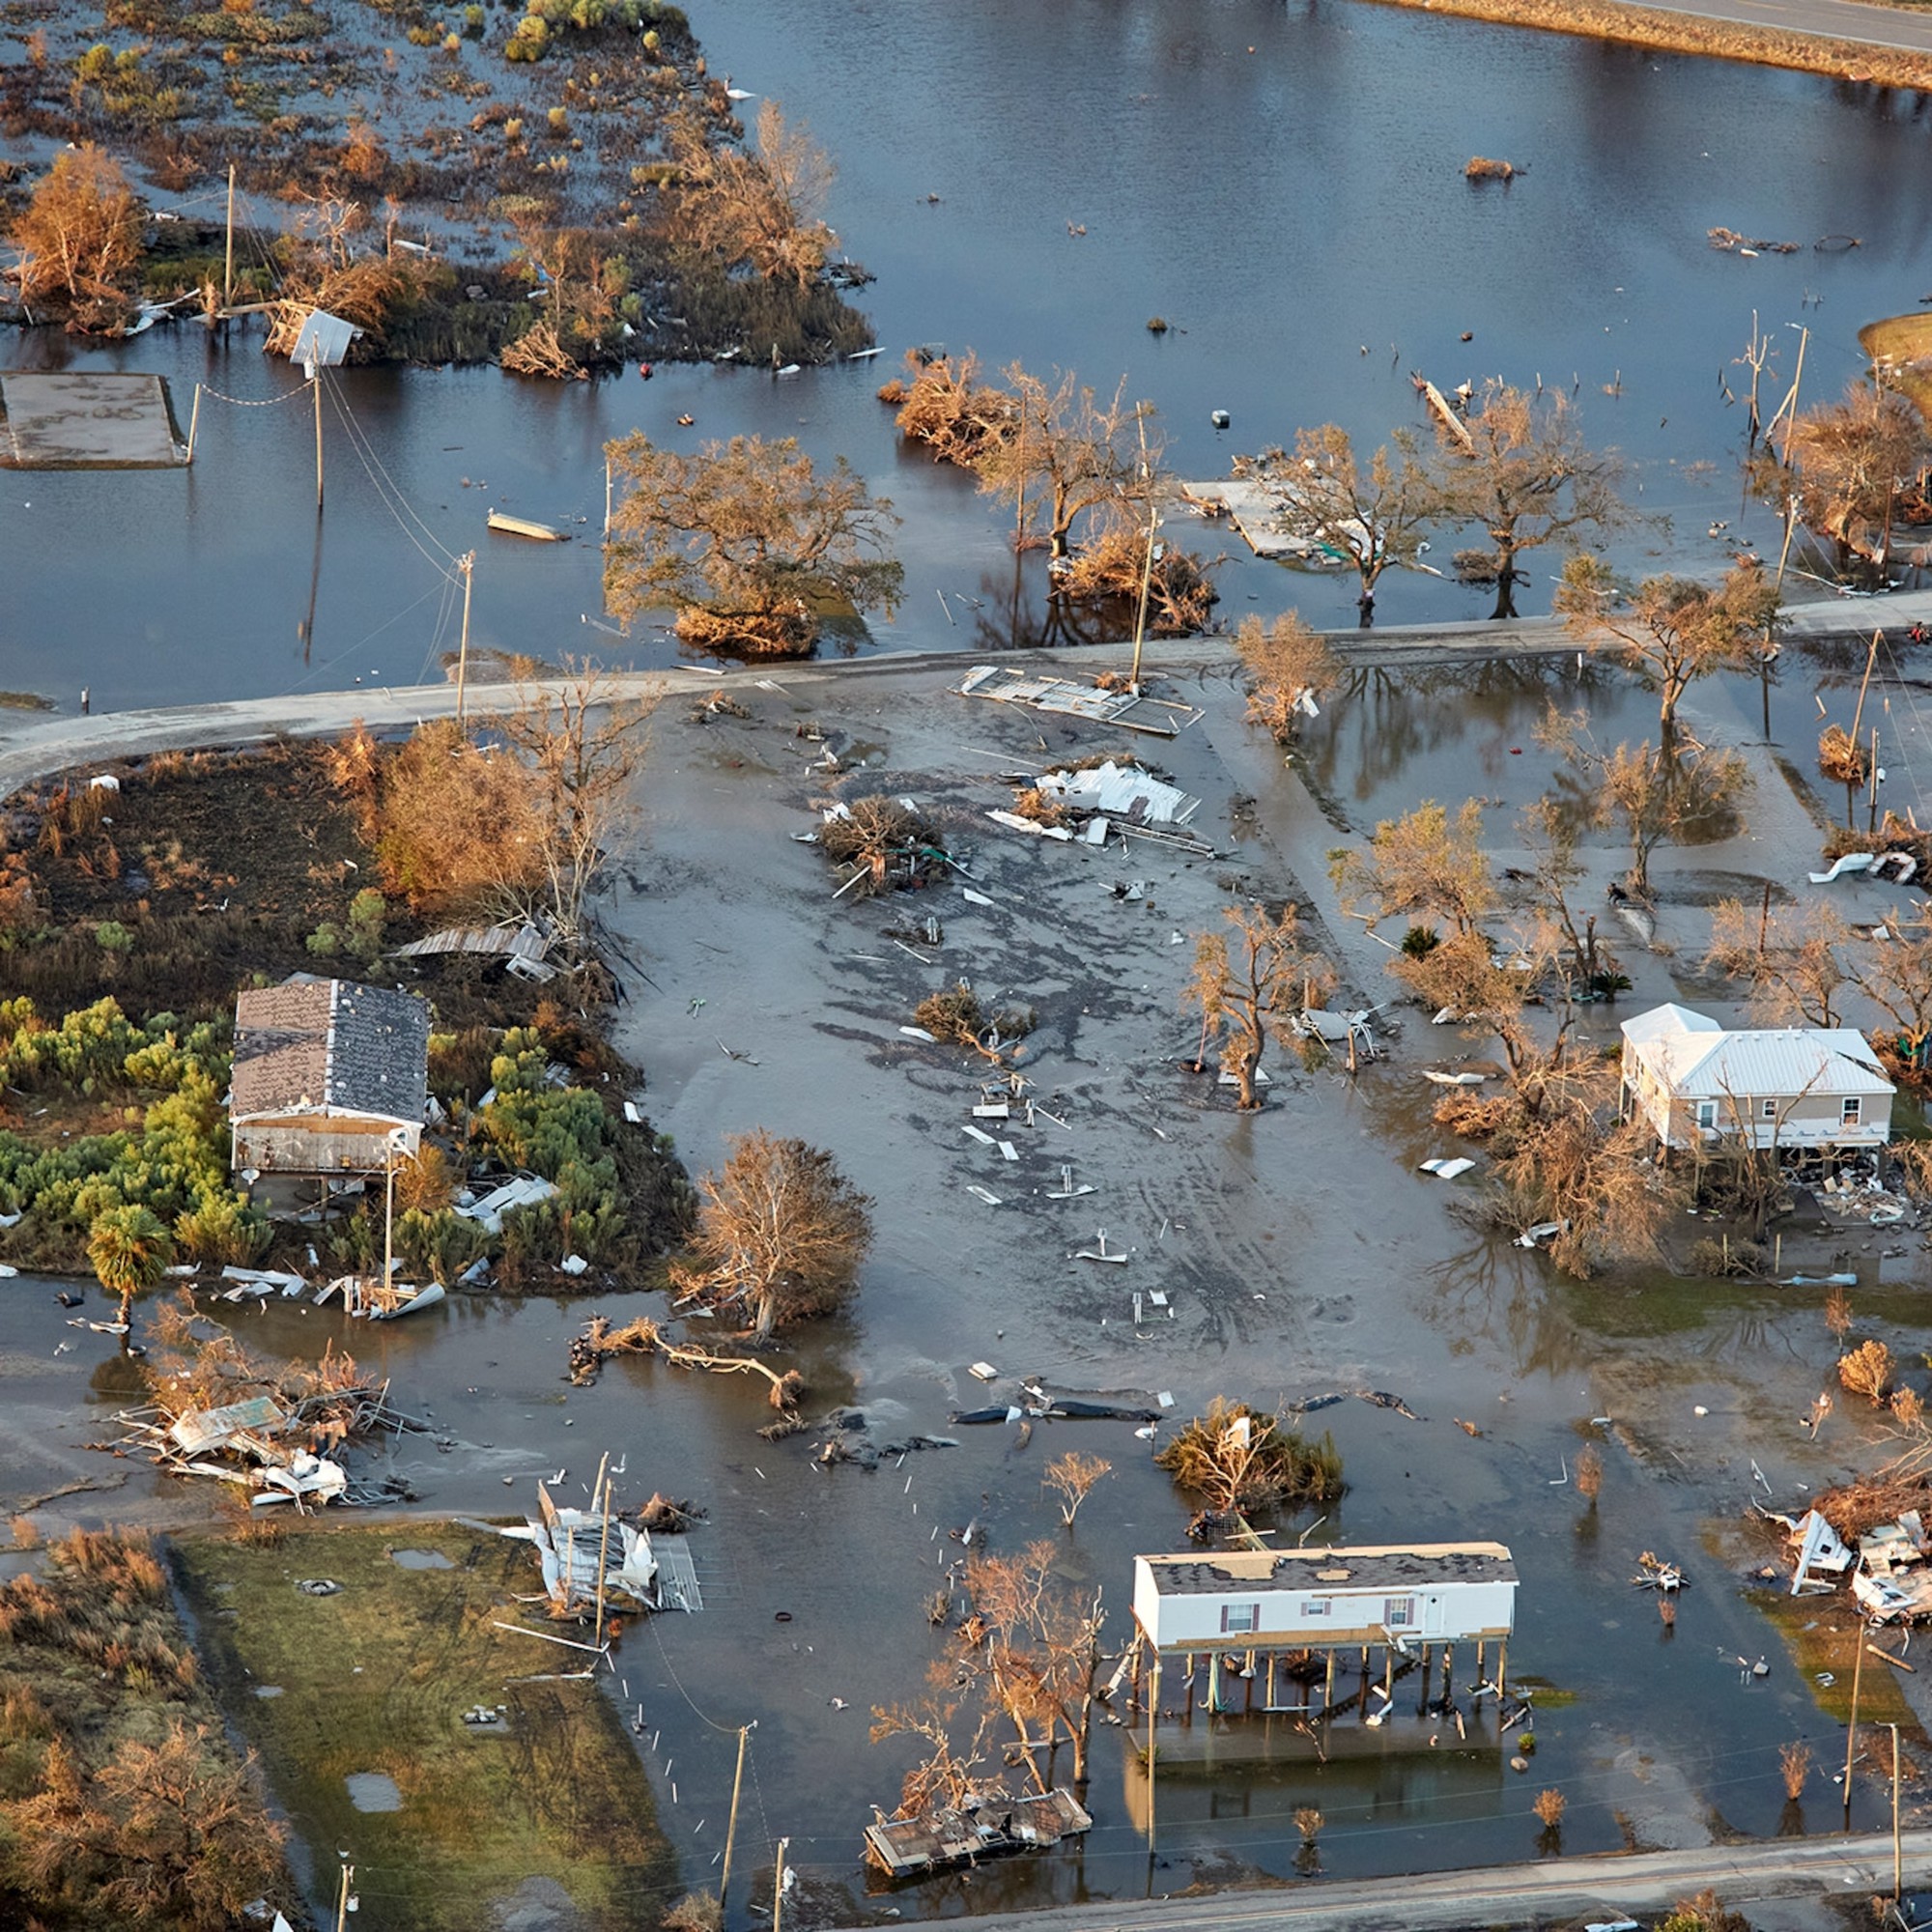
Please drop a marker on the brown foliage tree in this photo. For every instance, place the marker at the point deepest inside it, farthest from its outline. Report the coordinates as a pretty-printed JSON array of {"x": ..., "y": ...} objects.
[
  {"x": 747, "y": 540},
  {"x": 1240, "y": 1457},
  {"x": 1289, "y": 666},
  {"x": 1670, "y": 631},
  {"x": 1422, "y": 863},
  {"x": 1849, "y": 459},
  {"x": 1067, "y": 454},
  {"x": 166, "y": 1833},
  {"x": 1374, "y": 514},
  {"x": 79, "y": 237},
  {"x": 1866, "y": 1371},
  {"x": 759, "y": 209},
  {"x": 1788, "y": 959},
  {"x": 1526, "y": 475},
  {"x": 947, "y": 406},
  {"x": 1250, "y": 988},
  {"x": 780, "y": 1234}
]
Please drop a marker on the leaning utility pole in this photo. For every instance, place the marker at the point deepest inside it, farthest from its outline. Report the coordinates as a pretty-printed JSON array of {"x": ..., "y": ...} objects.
[
  {"x": 731, "y": 1824},
  {"x": 465, "y": 563}
]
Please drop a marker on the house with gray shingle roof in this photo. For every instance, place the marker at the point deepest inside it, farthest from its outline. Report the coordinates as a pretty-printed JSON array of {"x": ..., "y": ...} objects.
[{"x": 330, "y": 1077}]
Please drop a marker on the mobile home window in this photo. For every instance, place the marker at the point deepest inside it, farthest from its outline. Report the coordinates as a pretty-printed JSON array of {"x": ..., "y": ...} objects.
[
  {"x": 1317, "y": 1606},
  {"x": 1707, "y": 1113},
  {"x": 1398, "y": 1612},
  {"x": 1240, "y": 1619},
  {"x": 1853, "y": 1110}
]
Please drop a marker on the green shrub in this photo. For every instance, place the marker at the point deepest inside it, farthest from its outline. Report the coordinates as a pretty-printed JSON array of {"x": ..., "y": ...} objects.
[{"x": 111, "y": 936}]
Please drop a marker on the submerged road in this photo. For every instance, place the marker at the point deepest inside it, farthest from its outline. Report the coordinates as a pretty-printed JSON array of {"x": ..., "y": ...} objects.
[
  {"x": 1605, "y": 1887},
  {"x": 35, "y": 746}
]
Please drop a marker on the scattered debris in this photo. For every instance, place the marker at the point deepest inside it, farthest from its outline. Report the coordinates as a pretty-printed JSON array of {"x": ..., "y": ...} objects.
[
  {"x": 1653, "y": 1574},
  {"x": 524, "y": 526},
  {"x": 524, "y": 1191},
  {"x": 1731, "y": 241},
  {"x": 1447, "y": 1168},
  {"x": 978, "y": 1826},
  {"x": 1062, "y": 696},
  {"x": 369, "y": 1298},
  {"x": 524, "y": 948},
  {"x": 589, "y": 1555}
]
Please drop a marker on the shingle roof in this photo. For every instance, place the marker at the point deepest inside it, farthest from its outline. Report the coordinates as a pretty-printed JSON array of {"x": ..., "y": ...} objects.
[
  {"x": 330, "y": 1045},
  {"x": 1368, "y": 1568}
]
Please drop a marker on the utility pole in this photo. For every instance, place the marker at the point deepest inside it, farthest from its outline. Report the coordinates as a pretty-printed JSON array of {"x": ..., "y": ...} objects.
[
  {"x": 1790, "y": 502},
  {"x": 1153, "y": 1714},
  {"x": 342, "y": 1903},
  {"x": 389, "y": 1211},
  {"x": 315, "y": 383},
  {"x": 1898, "y": 1850},
  {"x": 1852, "y": 1729},
  {"x": 731, "y": 1824},
  {"x": 607, "y": 499},
  {"x": 779, "y": 1888},
  {"x": 603, "y": 1490},
  {"x": 228, "y": 263},
  {"x": 465, "y": 563},
  {"x": 1147, "y": 566}
]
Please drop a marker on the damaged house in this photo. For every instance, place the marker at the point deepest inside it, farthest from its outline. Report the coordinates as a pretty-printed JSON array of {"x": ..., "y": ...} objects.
[
  {"x": 1791, "y": 1088},
  {"x": 331, "y": 1079}
]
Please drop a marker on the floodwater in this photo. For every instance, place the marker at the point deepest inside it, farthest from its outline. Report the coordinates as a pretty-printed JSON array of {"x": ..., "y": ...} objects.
[{"x": 1282, "y": 183}]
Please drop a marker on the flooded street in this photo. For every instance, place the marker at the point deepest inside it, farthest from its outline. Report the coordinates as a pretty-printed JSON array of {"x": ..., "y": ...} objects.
[{"x": 1284, "y": 186}]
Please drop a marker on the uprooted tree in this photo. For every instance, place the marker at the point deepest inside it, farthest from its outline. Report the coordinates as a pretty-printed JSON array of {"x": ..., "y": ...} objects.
[
  {"x": 1519, "y": 467},
  {"x": 1289, "y": 667},
  {"x": 1670, "y": 631},
  {"x": 1374, "y": 514},
  {"x": 1249, "y": 983},
  {"x": 781, "y": 1234},
  {"x": 748, "y": 542},
  {"x": 1238, "y": 1459}
]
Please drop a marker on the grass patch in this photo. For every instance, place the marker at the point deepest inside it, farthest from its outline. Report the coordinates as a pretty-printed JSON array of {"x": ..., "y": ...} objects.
[
  {"x": 1904, "y": 344},
  {"x": 1823, "y": 1636},
  {"x": 1548, "y": 1696},
  {"x": 376, "y": 1679}
]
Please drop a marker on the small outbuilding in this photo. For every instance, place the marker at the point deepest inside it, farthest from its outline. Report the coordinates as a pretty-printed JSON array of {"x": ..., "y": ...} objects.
[
  {"x": 1790, "y": 1088},
  {"x": 332, "y": 1078}
]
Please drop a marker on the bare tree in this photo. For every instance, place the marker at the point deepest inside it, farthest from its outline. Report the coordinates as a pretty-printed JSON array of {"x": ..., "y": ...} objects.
[
  {"x": 747, "y": 540},
  {"x": 1789, "y": 959},
  {"x": 762, "y": 210},
  {"x": 1250, "y": 987},
  {"x": 1523, "y": 472},
  {"x": 1898, "y": 980},
  {"x": 1424, "y": 864},
  {"x": 1067, "y": 454},
  {"x": 1656, "y": 794},
  {"x": 948, "y": 1773},
  {"x": 780, "y": 1234},
  {"x": 1670, "y": 631},
  {"x": 1374, "y": 514},
  {"x": 1038, "y": 1653},
  {"x": 1072, "y": 1475},
  {"x": 584, "y": 747},
  {"x": 1236, "y": 1458},
  {"x": 1289, "y": 667}
]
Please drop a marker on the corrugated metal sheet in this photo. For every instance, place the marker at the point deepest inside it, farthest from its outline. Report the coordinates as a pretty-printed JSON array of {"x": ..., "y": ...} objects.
[
  {"x": 322, "y": 341},
  {"x": 1121, "y": 791},
  {"x": 1776, "y": 1064},
  {"x": 203, "y": 1429}
]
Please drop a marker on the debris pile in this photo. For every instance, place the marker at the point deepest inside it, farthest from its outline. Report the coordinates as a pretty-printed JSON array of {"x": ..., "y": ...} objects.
[
  {"x": 880, "y": 845},
  {"x": 978, "y": 1826},
  {"x": 1732, "y": 242},
  {"x": 1870, "y": 1532},
  {"x": 283, "y": 1451},
  {"x": 588, "y": 1556}
]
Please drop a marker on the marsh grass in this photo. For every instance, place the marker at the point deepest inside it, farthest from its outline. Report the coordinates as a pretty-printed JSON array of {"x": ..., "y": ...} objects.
[{"x": 376, "y": 1679}]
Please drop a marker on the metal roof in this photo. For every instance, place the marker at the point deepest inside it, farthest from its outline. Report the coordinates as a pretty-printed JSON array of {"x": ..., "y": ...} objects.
[
  {"x": 322, "y": 341},
  {"x": 1774, "y": 1063},
  {"x": 1661, "y": 1022},
  {"x": 1377, "y": 1567}
]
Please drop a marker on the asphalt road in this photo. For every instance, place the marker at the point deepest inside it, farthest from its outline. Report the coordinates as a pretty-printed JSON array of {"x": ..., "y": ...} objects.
[
  {"x": 1601, "y": 1888},
  {"x": 1908, "y": 27}
]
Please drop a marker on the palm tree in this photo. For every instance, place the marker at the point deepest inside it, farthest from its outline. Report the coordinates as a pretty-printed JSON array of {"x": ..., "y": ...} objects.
[{"x": 130, "y": 1250}]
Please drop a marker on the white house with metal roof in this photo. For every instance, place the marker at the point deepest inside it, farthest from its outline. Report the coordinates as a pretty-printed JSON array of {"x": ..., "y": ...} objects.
[{"x": 1695, "y": 1081}]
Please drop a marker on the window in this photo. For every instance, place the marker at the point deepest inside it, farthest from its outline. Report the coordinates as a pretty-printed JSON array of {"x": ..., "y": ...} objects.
[
  {"x": 1707, "y": 1113},
  {"x": 1854, "y": 1110},
  {"x": 1240, "y": 1619},
  {"x": 1768, "y": 1110},
  {"x": 1399, "y": 1612},
  {"x": 1317, "y": 1606}
]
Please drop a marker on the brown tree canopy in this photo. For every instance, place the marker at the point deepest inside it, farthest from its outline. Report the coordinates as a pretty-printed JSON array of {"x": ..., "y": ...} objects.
[
  {"x": 1067, "y": 454},
  {"x": 763, "y": 210},
  {"x": 748, "y": 541},
  {"x": 1289, "y": 667},
  {"x": 1249, "y": 983},
  {"x": 79, "y": 237},
  {"x": 1669, "y": 630},
  {"x": 1849, "y": 459},
  {"x": 1375, "y": 514},
  {"x": 1424, "y": 863},
  {"x": 780, "y": 1234},
  {"x": 1526, "y": 475}
]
